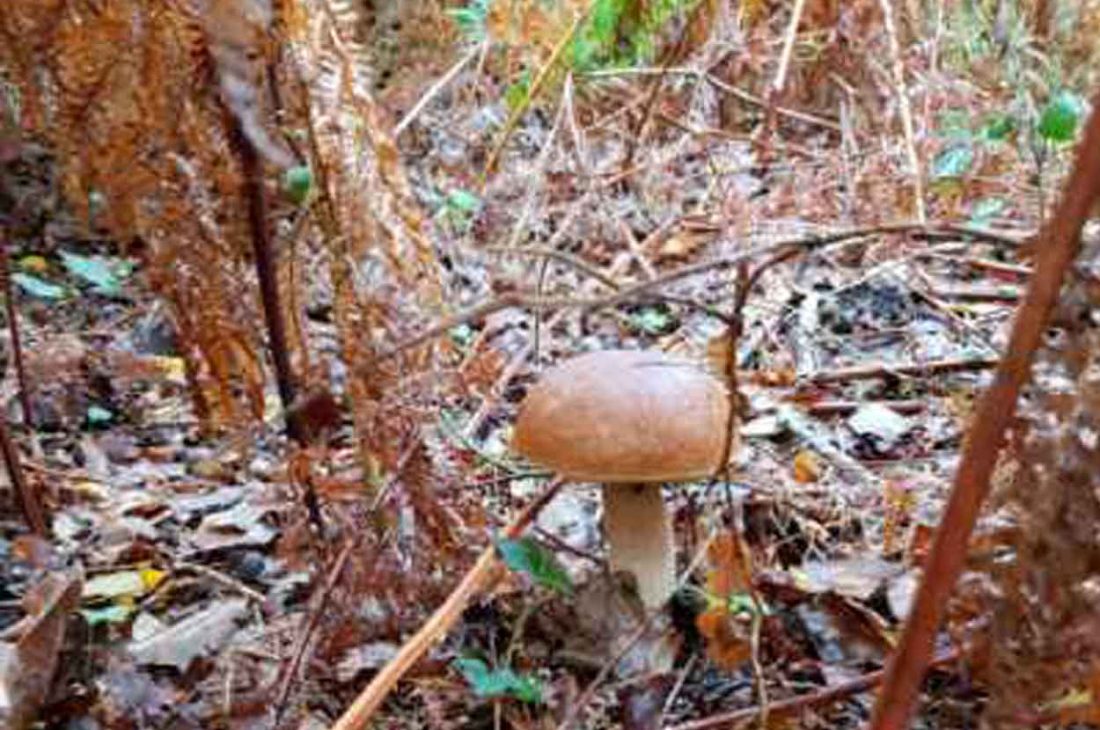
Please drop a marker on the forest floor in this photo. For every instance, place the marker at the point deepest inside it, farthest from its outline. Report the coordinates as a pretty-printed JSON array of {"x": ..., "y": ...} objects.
[{"x": 859, "y": 360}]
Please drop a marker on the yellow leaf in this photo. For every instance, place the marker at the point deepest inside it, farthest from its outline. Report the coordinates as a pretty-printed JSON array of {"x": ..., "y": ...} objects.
[
  {"x": 172, "y": 367},
  {"x": 34, "y": 264},
  {"x": 807, "y": 468},
  {"x": 151, "y": 577}
]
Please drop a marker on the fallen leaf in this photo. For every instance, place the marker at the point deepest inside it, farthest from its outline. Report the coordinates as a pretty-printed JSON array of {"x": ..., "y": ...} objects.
[
  {"x": 112, "y": 586},
  {"x": 27, "y": 666},
  {"x": 806, "y": 467},
  {"x": 857, "y": 577},
  {"x": 726, "y": 623},
  {"x": 201, "y": 634}
]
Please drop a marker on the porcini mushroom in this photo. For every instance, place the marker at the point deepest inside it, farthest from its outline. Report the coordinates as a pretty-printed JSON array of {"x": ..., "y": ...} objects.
[{"x": 630, "y": 421}]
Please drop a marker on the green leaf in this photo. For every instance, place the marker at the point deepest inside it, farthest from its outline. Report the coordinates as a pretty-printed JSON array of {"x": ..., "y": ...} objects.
[
  {"x": 653, "y": 320},
  {"x": 462, "y": 335},
  {"x": 998, "y": 127},
  {"x": 98, "y": 415},
  {"x": 496, "y": 683},
  {"x": 104, "y": 274},
  {"x": 463, "y": 201},
  {"x": 297, "y": 184},
  {"x": 116, "y": 614},
  {"x": 985, "y": 209},
  {"x": 526, "y": 555},
  {"x": 37, "y": 287},
  {"x": 1060, "y": 117},
  {"x": 953, "y": 162},
  {"x": 471, "y": 20},
  {"x": 518, "y": 93}
]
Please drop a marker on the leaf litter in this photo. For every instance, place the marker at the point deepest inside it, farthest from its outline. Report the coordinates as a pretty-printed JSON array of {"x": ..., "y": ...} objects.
[{"x": 808, "y": 590}]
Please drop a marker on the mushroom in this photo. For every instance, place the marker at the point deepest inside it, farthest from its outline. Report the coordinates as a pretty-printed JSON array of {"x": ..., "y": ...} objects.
[{"x": 631, "y": 421}]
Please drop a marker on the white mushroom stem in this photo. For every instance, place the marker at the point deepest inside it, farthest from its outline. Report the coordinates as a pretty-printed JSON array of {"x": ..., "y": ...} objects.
[{"x": 639, "y": 537}]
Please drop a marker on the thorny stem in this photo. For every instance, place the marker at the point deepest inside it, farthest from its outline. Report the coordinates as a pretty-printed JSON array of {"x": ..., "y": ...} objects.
[{"x": 252, "y": 167}]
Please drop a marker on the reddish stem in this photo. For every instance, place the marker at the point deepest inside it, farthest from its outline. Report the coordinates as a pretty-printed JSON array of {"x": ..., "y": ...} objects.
[{"x": 1058, "y": 245}]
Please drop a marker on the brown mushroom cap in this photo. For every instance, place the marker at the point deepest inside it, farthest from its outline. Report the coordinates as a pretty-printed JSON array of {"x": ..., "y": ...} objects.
[{"x": 625, "y": 416}]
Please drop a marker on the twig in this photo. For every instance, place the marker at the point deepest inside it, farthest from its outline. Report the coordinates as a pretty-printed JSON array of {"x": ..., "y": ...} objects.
[
  {"x": 827, "y": 408},
  {"x": 605, "y": 671},
  {"x": 884, "y": 370},
  {"x": 997, "y": 267},
  {"x": 371, "y": 698},
  {"x": 563, "y": 256},
  {"x": 26, "y": 497},
  {"x": 628, "y": 294},
  {"x": 435, "y": 88},
  {"x": 636, "y": 250},
  {"x": 265, "y": 256},
  {"x": 1060, "y": 239},
  {"x": 534, "y": 89},
  {"x": 792, "y": 705},
  {"x": 220, "y": 577},
  {"x": 788, "y": 45},
  {"x": 310, "y": 625},
  {"x": 722, "y": 86},
  {"x": 685, "y": 672},
  {"x": 13, "y": 329},
  {"x": 905, "y": 109}
]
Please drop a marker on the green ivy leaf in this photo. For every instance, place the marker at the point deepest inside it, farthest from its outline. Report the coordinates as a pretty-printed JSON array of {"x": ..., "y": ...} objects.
[
  {"x": 526, "y": 555},
  {"x": 1060, "y": 118},
  {"x": 98, "y": 415},
  {"x": 37, "y": 287},
  {"x": 998, "y": 127},
  {"x": 953, "y": 162},
  {"x": 471, "y": 20},
  {"x": 297, "y": 184},
  {"x": 653, "y": 320},
  {"x": 496, "y": 683},
  {"x": 104, "y": 274},
  {"x": 463, "y": 201}
]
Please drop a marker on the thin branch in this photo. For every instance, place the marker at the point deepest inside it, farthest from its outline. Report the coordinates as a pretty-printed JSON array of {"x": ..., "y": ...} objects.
[
  {"x": 788, "y": 46},
  {"x": 533, "y": 91},
  {"x": 307, "y": 631},
  {"x": 871, "y": 371},
  {"x": 722, "y": 86},
  {"x": 563, "y": 256},
  {"x": 437, "y": 87},
  {"x": 636, "y": 291},
  {"x": 793, "y": 705},
  {"x": 13, "y": 330},
  {"x": 28, "y": 499},
  {"x": 902, "y": 91}
]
